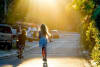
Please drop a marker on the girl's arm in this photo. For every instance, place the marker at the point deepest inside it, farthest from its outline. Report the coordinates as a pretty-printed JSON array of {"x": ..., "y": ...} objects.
[{"x": 49, "y": 37}]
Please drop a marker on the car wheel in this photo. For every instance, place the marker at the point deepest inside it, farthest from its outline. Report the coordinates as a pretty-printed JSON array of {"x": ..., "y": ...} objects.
[{"x": 9, "y": 46}]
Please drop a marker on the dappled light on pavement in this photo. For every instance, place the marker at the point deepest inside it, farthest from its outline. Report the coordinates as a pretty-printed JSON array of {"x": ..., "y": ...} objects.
[
  {"x": 31, "y": 63},
  {"x": 7, "y": 66},
  {"x": 54, "y": 62}
]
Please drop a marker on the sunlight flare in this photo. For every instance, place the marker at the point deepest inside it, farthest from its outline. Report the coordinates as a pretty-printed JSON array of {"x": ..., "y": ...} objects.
[
  {"x": 7, "y": 66},
  {"x": 52, "y": 62},
  {"x": 50, "y": 12}
]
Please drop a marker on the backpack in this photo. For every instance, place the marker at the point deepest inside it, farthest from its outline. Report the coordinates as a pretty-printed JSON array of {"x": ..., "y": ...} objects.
[{"x": 42, "y": 42}]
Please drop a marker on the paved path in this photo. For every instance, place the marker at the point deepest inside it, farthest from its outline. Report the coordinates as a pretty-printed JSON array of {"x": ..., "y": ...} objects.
[
  {"x": 29, "y": 45},
  {"x": 63, "y": 52}
]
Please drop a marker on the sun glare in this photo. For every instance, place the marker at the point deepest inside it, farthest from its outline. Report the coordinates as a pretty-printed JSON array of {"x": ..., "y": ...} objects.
[
  {"x": 45, "y": 1},
  {"x": 50, "y": 12},
  {"x": 45, "y": 10},
  {"x": 7, "y": 66},
  {"x": 37, "y": 62},
  {"x": 52, "y": 62}
]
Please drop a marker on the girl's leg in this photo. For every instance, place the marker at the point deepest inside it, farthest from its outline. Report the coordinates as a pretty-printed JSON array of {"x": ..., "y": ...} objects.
[
  {"x": 22, "y": 49},
  {"x": 44, "y": 53},
  {"x": 20, "y": 52}
]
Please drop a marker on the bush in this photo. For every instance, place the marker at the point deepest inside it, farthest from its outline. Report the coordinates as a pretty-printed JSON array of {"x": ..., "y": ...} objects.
[{"x": 90, "y": 29}]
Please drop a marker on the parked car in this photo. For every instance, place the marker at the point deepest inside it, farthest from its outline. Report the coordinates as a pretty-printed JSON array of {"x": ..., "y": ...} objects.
[
  {"x": 6, "y": 36},
  {"x": 54, "y": 34}
]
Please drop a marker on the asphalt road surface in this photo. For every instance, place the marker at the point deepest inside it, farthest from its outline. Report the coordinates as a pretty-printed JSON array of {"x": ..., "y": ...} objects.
[{"x": 63, "y": 52}]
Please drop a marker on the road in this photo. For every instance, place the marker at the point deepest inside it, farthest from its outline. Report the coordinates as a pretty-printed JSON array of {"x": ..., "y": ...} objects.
[{"x": 63, "y": 52}]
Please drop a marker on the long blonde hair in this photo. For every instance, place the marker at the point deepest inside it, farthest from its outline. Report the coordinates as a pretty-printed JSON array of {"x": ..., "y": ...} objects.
[{"x": 44, "y": 31}]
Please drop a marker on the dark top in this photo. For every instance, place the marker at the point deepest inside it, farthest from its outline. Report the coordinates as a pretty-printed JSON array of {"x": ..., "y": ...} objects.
[
  {"x": 22, "y": 38},
  {"x": 40, "y": 35}
]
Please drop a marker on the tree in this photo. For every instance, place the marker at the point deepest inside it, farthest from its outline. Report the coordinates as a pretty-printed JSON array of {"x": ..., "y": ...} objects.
[
  {"x": 2, "y": 11},
  {"x": 90, "y": 34},
  {"x": 4, "y": 4}
]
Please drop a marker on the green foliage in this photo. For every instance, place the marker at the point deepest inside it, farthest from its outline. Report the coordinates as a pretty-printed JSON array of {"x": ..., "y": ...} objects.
[
  {"x": 83, "y": 35},
  {"x": 96, "y": 49},
  {"x": 85, "y": 6},
  {"x": 96, "y": 12},
  {"x": 89, "y": 33},
  {"x": 90, "y": 36}
]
